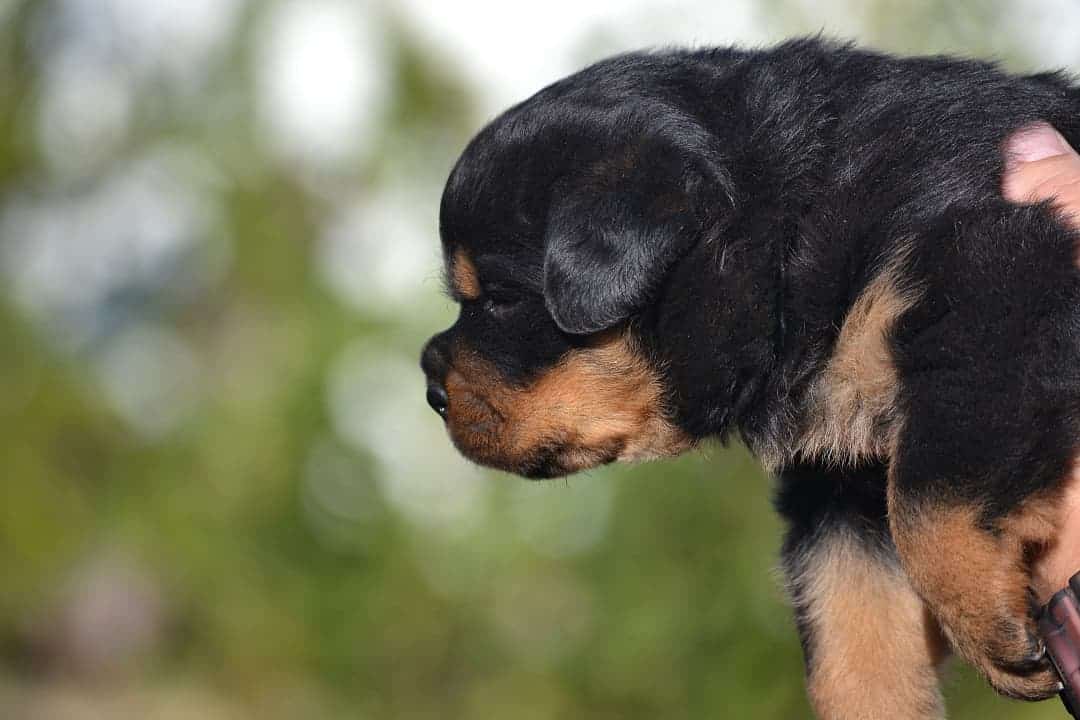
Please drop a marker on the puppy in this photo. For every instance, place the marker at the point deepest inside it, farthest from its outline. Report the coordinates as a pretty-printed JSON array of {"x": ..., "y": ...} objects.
[{"x": 806, "y": 247}]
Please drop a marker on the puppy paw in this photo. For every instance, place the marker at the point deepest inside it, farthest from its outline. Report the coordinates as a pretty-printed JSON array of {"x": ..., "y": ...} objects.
[
  {"x": 979, "y": 591},
  {"x": 1013, "y": 659}
]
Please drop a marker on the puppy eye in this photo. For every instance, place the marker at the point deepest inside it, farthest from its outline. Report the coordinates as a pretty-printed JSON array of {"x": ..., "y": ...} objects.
[{"x": 499, "y": 303}]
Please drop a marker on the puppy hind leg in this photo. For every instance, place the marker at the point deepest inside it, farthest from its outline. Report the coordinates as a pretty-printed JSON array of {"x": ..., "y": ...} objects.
[{"x": 872, "y": 648}]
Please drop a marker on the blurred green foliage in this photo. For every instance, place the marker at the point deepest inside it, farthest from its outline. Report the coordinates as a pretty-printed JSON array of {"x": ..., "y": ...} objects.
[{"x": 671, "y": 609}]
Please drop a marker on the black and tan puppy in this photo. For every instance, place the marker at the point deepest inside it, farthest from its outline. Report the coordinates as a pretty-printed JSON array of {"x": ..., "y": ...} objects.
[{"x": 806, "y": 246}]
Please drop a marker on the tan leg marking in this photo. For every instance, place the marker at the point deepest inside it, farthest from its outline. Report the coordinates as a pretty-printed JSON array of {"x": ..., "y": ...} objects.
[
  {"x": 875, "y": 647},
  {"x": 977, "y": 584},
  {"x": 1059, "y": 558}
]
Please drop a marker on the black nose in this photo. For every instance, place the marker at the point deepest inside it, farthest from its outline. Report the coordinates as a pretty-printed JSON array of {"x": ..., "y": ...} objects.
[{"x": 438, "y": 399}]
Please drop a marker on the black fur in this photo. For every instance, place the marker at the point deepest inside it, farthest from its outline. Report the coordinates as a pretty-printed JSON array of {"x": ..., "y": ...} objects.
[{"x": 732, "y": 205}]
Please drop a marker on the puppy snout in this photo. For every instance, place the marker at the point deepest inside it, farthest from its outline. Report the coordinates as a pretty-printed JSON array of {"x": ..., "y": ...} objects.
[{"x": 435, "y": 359}]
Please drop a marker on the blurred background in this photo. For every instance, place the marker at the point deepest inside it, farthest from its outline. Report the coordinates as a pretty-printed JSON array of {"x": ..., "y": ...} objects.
[{"x": 222, "y": 495}]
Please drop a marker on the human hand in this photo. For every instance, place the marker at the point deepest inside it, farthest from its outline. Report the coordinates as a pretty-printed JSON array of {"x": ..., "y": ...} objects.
[{"x": 1040, "y": 165}]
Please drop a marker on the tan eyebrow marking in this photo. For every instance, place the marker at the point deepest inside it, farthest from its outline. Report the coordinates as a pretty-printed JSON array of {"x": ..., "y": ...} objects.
[{"x": 464, "y": 277}]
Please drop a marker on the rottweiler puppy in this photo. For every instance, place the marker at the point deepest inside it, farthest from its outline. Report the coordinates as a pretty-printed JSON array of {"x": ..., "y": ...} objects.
[{"x": 805, "y": 247}]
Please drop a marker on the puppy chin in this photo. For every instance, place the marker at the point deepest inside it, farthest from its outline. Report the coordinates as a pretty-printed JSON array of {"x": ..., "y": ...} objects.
[
  {"x": 551, "y": 463},
  {"x": 481, "y": 444}
]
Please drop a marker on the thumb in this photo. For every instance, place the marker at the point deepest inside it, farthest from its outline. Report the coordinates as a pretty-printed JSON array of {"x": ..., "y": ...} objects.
[{"x": 1040, "y": 165}]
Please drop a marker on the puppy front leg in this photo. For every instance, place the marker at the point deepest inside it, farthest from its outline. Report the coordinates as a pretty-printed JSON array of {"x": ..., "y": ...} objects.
[{"x": 974, "y": 574}]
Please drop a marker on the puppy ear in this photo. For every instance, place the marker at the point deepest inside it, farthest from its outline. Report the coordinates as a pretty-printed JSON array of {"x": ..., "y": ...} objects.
[{"x": 616, "y": 229}]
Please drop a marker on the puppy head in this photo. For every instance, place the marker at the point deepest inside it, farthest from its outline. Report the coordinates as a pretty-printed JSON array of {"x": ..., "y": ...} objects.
[{"x": 559, "y": 226}]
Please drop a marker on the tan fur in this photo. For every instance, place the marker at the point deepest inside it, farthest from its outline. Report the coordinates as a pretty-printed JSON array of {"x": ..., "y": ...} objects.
[
  {"x": 464, "y": 277},
  {"x": 1060, "y": 552},
  {"x": 875, "y": 646},
  {"x": 851, "y": 408},
  {"x": 1036, "y": 521},
  {"x": 977, "y": 580},
  {"x": 598, "y": 404}
]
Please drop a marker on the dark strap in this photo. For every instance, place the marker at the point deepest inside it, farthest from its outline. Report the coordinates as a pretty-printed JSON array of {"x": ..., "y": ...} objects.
[{"x": 1059, "y": 624}]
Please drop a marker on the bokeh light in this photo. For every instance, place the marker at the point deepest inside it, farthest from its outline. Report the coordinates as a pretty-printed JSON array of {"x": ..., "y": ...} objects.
[{"x": 222, "y": 495}]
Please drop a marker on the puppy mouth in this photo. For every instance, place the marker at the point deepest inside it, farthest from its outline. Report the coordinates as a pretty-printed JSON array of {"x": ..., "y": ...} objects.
[
  {"x": 474, "y": 424},
  {"x": 567, "y": 421},
  {"x": 485, "y": 438}
]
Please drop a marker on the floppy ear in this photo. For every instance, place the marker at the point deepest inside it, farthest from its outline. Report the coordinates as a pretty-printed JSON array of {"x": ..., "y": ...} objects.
[{"x": 615, "y": 229}]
